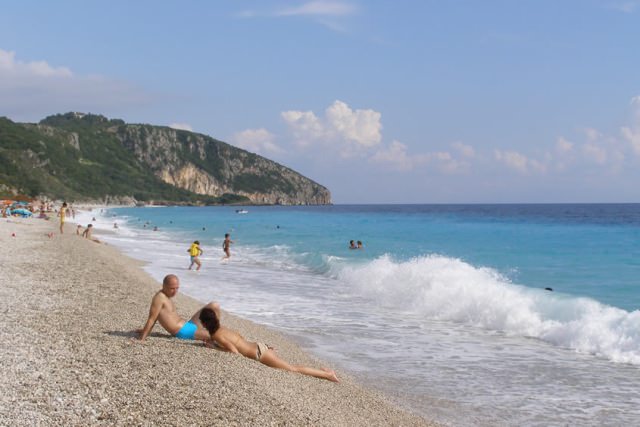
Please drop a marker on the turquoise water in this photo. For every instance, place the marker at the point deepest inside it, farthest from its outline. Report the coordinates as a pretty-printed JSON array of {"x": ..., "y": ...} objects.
[
  {"x": 445, "y": 307},
  {"x": 588, "y": 250}
]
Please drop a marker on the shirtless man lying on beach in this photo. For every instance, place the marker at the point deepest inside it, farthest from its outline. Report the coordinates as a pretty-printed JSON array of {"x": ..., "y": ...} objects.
[{"x": 162, "y": 309}]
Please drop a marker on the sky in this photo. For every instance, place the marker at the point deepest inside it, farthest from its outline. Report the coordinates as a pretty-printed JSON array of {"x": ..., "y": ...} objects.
[{"x": 529, "y": 101}]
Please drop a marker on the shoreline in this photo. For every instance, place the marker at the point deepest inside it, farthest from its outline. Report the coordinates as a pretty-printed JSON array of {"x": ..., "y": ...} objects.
[{"x": 70, "y": 306}]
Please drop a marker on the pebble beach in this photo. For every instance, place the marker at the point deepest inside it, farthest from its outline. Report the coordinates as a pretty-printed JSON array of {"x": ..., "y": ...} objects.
[{"x": 69, "y": 310}]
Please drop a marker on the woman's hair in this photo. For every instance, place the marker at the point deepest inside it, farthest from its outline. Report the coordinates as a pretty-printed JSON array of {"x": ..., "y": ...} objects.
[{"x": 210, "y": 320}]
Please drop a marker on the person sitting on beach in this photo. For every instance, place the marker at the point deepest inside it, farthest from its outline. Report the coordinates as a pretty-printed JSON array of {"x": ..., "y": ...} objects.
[
  {"x": 87, "y": 233},
  {"x": 194, "y": 252},
  {"x": 164, "y": 310},
  {"x": 352, "y": 245},
  {"x": 226, "y": 245},
  {"x": 230, "y": 340},
  {"x": 79, "y": 231}
]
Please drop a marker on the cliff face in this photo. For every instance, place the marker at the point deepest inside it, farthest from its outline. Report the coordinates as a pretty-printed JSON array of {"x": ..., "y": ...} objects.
[
  {"x": 203, "y": 165},
  {"x": 86, "y": 156}
]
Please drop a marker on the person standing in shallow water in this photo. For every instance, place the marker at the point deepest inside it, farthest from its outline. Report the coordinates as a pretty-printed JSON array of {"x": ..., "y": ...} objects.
[
  {"x": 194, "y": 252},
  {"x": 226, "y": 246},
  {"x": 231, "y": 341}
]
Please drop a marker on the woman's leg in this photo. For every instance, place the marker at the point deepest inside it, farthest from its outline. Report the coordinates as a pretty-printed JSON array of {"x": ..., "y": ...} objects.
[{"x": 270, "y": 358}]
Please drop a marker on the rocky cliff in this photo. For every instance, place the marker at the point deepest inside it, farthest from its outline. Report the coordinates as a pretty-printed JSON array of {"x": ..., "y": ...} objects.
[
  {"x": 203, "y": 165},
  {"x": 77, "y": 156}
]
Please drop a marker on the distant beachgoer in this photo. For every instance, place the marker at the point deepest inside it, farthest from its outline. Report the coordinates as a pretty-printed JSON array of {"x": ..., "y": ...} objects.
[
  {"x": 73, "y": 213},
  {"x": 93, "y": 219},
  {"x": 87, "y": 233},
  {"x": 155, "y": 228},
  {"x": 62, "y": 214},
  {"x": 230, "y": 340},
  {"x": 79, "y": 231},
  {"x": 115, "y": 225},
  {"x": 194, "y": 252},
  {"x": 226, "y": 245},
  {"x": 352, "y": 245},
  {"x": 163, "y": 310},
  {"x": 360, "y": 245}
]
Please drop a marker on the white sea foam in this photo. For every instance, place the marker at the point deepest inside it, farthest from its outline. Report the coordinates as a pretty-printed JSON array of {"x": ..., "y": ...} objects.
[{"x": 441, "y": 288}]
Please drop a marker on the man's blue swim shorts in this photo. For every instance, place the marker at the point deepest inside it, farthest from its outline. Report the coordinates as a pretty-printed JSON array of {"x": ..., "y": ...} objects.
[{"x": 188, "y": 331}]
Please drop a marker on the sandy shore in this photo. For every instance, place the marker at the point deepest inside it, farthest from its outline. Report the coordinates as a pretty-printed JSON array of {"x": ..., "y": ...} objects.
[{"x": 69, "y": 307}]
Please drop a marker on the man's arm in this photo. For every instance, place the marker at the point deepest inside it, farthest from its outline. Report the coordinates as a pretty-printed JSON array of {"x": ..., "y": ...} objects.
[{"x": 154, "y": 312}]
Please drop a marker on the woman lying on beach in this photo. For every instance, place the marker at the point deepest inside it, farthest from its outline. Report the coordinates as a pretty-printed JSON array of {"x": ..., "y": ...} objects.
[{"x": 229, "y": 340}]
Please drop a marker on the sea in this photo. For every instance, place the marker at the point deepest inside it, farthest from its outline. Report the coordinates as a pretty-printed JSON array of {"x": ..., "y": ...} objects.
[{"x": 470, "y": 315}]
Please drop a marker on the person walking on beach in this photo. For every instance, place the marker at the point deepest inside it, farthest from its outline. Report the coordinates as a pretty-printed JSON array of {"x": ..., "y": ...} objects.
[
  {"x": 194, "y": 252},
  {"x": 226, "y": 245},
  {"x": 230, "y": 340},
  {"x": 163, "y": 310},
  {"x": 62, "y": 214}
]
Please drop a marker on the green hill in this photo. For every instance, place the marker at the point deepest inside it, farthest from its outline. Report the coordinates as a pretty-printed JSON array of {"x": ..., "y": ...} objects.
[{"x": 87, "y": 157}]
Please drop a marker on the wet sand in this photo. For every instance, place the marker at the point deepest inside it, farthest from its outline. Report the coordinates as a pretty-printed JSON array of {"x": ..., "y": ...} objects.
[{"x": 69, "y": 308}]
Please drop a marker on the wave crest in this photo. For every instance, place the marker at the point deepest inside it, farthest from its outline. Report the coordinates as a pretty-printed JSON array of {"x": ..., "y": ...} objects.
[{"x": 442, "y": 288}]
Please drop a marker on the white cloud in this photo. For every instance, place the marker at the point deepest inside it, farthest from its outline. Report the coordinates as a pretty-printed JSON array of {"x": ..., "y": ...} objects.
[
  {"x": 319, "y": 8},
  {"x": 10, "y": 66},
  {"x": 592, "y": 134},
  {"x": 359, "y": 126},
  {"x": 352, "y": 131},
  {"x": 631, "y": 133},
  {"x": 256, "y": 140},
  {"x": 396, "y": 157},
  {"x": 464, "y": 150},
  {"x": 519, "y": 162},
  {"x": 625, "y": 7},
  {"x": 29, "y": 90},
  {"x": 594, "y": 153},
  {"x": 181, "y": 126},
  {"x": 563, "y": 145},
  {"x": 305, "y": 126}
]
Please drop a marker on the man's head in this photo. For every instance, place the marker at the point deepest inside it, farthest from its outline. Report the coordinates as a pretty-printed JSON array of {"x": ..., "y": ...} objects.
[
  {"x": 210, "y": 320},
  {"x": 226, "y": 235},
  {"x": 170, "y": 285}
]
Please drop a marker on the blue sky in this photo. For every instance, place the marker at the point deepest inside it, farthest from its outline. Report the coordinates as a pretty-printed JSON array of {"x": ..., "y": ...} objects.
[{"x": 381, "y": 101}]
